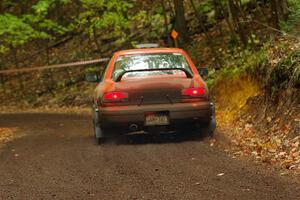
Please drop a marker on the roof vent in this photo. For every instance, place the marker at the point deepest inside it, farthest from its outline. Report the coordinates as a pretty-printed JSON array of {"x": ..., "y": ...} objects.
[{"x": 145, "y": 46}]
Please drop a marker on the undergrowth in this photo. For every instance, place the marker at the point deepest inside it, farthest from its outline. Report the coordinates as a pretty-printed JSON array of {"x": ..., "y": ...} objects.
[
  {"x": 240, "y": 63},
  {"x": 248, "y": 74},
  {"x": 293, "y": 21},
  {"x": 286, "y": 74}
]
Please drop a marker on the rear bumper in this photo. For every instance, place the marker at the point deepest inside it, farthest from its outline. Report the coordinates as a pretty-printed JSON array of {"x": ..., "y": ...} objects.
[{"x": 124, "y": 116}]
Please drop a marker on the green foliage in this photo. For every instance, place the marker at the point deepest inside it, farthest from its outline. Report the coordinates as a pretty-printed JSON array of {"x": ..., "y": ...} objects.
[
  {"x": 102, "y": 19},
  {"x": 7, "y": 3},
  {"x": 39, "y": 18},
  {"x": 240, "y": 62},
  {"x": 94, "y": 69},
  {"x": 42, "y": 7},
  {"x": 295, "y": 10},
  {"x": 110, "y": 15},
  {"x": 141, "y": 19},
  {"x": 244, "y": 2},
  {"x": 286, "y": 73},
  {"x": 117, "y": 20},
  {"x": 18, "y": 30},
  {"x": 205, "y": 7},
  {"x": 15, "y": 31},
  {"x": 293, "y": 18}
]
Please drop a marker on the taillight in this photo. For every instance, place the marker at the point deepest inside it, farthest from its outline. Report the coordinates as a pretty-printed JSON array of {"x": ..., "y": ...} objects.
[
  {"x": 114, "y": 97},
  {"x": 193, "y": 92}
]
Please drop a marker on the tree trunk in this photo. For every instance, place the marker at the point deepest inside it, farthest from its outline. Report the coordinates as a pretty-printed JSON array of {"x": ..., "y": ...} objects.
[
  {"x": 218, "y": 9},
  {"x": 180, "y": 25},
  {"x": 261, "y": 13},
  {"x": 219, "y": 15},
  {"x": 167, "y": 31},
  {"x": 275, "y": 14},
  {"x": 229, "y": 24},
  {"x": 234, "y": 14},
  {"x": 243, "y": 26},
  {"x": 285, "y": 9},
  {"x": 282, "y": 7}
]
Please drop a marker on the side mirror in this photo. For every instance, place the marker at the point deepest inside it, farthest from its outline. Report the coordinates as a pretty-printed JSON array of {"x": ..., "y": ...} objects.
[
  {"x": 203, "y": 72},
  {"x": 92, "y": 77}
]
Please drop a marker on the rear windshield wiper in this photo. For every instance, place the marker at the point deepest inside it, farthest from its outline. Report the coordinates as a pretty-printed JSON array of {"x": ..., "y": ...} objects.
[{"x": 119, "y": 78}]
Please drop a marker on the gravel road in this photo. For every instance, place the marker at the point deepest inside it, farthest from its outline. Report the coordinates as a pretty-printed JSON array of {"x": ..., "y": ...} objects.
[{"x": 55, "y": 157}]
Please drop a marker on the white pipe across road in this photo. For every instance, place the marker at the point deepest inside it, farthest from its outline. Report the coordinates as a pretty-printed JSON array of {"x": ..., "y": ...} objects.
[{"x": 73, "y": 64}]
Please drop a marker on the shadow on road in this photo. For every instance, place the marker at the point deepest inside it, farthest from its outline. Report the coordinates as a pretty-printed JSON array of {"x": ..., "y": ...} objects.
[
  {"x": 156, "y": 138},
  {"x": 77, "y": 128}
]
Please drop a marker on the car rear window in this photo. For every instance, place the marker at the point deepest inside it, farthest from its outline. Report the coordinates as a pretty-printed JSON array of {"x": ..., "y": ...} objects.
[{"x": 150, "y": 61}]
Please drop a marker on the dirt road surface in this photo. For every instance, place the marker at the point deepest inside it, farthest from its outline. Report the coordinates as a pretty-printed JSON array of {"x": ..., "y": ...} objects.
[{"x": 55, "y": 158}]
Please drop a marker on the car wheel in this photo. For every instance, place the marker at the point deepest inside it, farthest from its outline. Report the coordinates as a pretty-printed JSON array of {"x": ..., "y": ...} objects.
[{"x": 208, "y": 129}]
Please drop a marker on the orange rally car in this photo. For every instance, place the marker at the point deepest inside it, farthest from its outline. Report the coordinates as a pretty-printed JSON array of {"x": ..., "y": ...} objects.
[{"x": 151, "y": 87}]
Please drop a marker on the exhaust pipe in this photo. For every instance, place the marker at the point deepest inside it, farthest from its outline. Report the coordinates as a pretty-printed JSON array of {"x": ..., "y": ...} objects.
[{"x": 133, "y": 127}]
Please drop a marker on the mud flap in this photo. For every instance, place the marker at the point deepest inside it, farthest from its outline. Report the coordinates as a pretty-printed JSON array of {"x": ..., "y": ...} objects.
[{"x": 98, "y": 130}]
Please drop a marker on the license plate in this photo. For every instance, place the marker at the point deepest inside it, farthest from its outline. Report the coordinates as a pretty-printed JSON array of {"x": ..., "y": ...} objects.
[{"x": 156, "y": 120}]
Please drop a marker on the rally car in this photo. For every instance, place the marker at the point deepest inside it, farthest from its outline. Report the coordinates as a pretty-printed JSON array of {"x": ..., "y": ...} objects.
[{"x": 148, "y": 87}]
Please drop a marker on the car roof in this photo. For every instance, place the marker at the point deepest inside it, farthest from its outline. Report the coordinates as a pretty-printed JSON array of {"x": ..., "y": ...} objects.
[{"x": 148, "y": 51}]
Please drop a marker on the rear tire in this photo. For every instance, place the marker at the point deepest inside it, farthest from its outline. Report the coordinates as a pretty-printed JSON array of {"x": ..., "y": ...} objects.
[
  {"x": 208, "y": 129},
  {"x": 202, "y": 129},
  {"x": 100, "y": 141}
]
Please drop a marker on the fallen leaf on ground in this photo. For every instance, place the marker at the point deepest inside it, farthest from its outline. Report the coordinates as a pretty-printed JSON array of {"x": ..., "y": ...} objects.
[{"x": 221, "y": 174}]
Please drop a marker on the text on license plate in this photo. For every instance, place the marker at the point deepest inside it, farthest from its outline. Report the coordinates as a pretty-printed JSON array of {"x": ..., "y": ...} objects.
[{"x": 156, "y": 120}]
